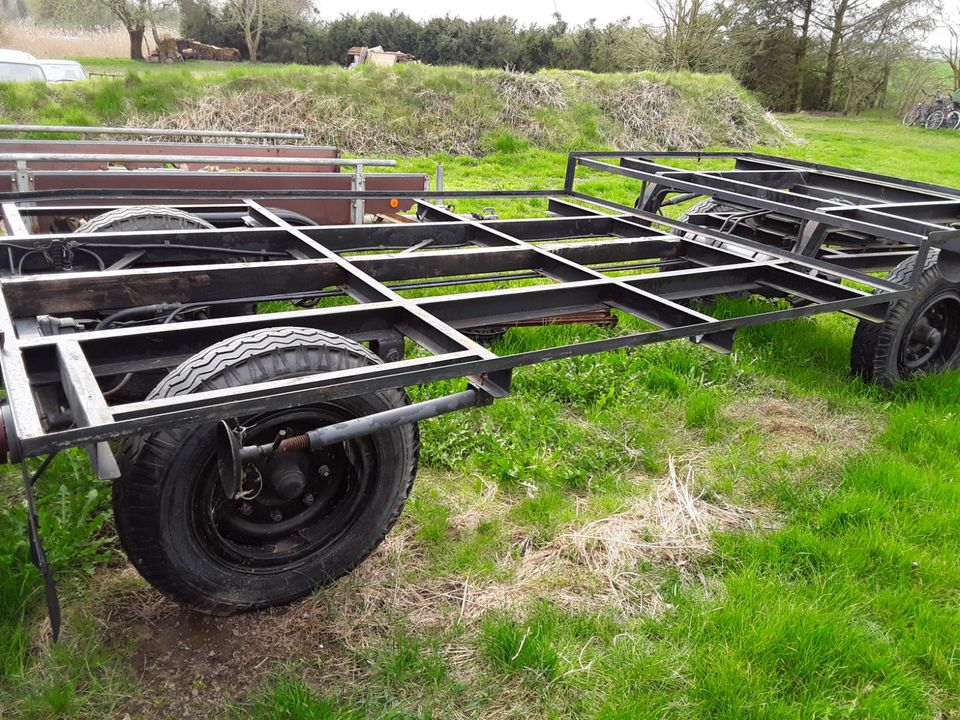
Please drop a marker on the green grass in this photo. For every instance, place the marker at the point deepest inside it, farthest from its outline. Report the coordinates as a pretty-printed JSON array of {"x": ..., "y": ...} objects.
[{"x": 844, "y": 603}]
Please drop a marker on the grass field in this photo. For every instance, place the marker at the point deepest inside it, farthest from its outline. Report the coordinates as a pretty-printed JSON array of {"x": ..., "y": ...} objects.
[{"x": 665, "y": 533}]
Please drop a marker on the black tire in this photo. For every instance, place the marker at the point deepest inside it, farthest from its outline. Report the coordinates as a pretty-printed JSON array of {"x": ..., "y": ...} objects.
[
  {"x": 143, "y": 217},
  {"x": 193, "y": 544},
  {"x": 952, "y": 120},
  {"x": 710, "y": 205},
  {"x": 148, "y": 218},
  {"x": 911, "y": 117},
  {"x": 890, "y": 351},
  {"x": 934, "y": 120},
  {"x": 487, "y": 335}
]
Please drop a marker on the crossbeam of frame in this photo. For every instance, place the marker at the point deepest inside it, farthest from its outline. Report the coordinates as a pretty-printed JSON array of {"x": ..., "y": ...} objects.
[{"x": 433, "y": 321}]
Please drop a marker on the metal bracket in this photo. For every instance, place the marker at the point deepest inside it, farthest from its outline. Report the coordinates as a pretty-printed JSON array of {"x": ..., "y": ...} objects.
[
  {"x": 359, "y": 185},
  {"x": 38, "y": 555},
  {"x": 22, "y": 180},
  {"x": 949, "y": 263},
  {"x": 389, "y": 349},
  {"x": 229, "y": 441}
]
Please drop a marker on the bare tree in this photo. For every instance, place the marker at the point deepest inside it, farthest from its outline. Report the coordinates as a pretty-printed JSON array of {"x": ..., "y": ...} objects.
[
  {"x": 835, "y": 24},
  {"x": 253, "y": 15},
  {"x": 950, "y": 51},
  {"x": 134, "y": 14},
  {"x": 692, "y": 32},
  {"x": 14, "y": 8},
  {"x": 249, "y": 15},
  {"x": 881, "y": 32}
]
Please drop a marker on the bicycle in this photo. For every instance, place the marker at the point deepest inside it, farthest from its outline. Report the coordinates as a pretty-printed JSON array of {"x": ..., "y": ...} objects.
[{"x": 931, "y": 113}]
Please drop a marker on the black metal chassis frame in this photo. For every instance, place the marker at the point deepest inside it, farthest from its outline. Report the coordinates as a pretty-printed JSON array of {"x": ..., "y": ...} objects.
[{"x": 55, "y": 400}]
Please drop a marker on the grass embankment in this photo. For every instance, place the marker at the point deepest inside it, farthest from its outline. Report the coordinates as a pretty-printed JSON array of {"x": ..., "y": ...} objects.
[
  {"x": 410, "y": 109},
  {"x": 548, "y": 564}
]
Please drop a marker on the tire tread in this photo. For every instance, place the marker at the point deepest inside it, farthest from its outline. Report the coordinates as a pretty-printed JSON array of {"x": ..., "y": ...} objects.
[{"x": 144, "y": 457}]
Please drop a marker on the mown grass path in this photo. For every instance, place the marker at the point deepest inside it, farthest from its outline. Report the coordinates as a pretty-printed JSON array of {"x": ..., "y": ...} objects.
[{"x": 546, "y": 566}]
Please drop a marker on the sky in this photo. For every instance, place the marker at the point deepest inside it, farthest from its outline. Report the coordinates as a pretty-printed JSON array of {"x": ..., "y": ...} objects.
[{"x": 575, "y": 12}]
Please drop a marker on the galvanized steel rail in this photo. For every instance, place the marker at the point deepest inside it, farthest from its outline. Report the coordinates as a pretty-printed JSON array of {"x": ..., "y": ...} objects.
[{"x": 149, "y": 132}]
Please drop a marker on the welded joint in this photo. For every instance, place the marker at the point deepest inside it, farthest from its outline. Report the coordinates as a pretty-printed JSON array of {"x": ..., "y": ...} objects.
[{"x": 948, "y": 259}]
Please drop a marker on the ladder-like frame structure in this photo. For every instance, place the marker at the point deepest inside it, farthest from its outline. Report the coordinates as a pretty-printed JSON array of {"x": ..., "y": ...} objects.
[{"x": 589, "y": 252}]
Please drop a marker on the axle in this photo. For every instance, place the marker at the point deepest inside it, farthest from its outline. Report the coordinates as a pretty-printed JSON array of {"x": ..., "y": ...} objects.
[{"x": 232, "y": 456}]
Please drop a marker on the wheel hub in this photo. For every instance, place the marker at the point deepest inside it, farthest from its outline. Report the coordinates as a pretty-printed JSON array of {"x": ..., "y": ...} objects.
[
  {"x": 289, "y": 503},
  {"x": 286, "y": 475},
  {"x": 934, "y": 339}
]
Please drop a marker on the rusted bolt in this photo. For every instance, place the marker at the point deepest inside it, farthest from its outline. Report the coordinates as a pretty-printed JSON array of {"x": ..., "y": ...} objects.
[
  {"x": 276, "y": 515},
  {"x": 308, "y": 499},
  {"x": 324, "y": 471}
]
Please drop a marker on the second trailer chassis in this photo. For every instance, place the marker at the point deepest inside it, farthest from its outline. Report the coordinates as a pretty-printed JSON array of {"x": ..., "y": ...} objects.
[{"x": 277, "y": 398}]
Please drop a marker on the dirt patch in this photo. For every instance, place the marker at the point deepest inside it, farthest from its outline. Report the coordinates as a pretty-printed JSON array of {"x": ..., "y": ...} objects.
[
  {"x": 190, "y": 665},
  {"x": 187, "y": 664},
  {"x": 801, "y": 425}
]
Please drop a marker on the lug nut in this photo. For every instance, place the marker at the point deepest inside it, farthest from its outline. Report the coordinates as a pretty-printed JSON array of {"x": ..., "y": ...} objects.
[
  {"x": 308, "y": 499},
  {"x": 276, "y": 515},
  {"x": 246, "y": 509},
  {"x": 324, "y": 471}
]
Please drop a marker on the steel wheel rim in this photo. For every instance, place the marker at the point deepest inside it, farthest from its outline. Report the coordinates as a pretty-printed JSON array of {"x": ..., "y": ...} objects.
[
  {"x": 932, "y": 338},
  {"x": 257, "y": 543},
  {"x": 934, "y": 120}
]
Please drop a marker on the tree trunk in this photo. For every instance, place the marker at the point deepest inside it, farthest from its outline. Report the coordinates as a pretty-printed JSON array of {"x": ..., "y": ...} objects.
[
  {"x": 884, "y": 84},
  {"x": 136, "y": 43},
  {"x": 800, "y": 57},
  {"x": 833, "y": 55},
  {"x": 251, "y": 46}
]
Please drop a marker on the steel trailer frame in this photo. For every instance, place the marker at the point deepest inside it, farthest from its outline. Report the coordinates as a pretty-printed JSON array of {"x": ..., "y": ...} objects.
[
  {"x": 56, "y": 401},
  {"x": 787, "y": 229}
]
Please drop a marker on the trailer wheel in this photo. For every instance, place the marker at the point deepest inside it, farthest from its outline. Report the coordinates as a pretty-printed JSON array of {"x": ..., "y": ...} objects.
[
  {"x": 159, "y": 217},
  {"x": 708, "y": 206},
  {"x": 221, "y": 556},
  {"x": 920, "y": 335},
  {"x": 148, "y": 218},
  {"x": 143, "y": 217}
]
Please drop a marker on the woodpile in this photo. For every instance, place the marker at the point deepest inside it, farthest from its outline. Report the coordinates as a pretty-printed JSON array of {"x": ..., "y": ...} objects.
[
  {"x": 166, "y": 51},
  {"x": 193, "y": 50}
]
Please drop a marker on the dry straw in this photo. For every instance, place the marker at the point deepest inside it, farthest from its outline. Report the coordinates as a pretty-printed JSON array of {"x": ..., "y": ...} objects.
[
  {"x": 61, "y": 42},
  {"x": 634, "y": 113}
]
